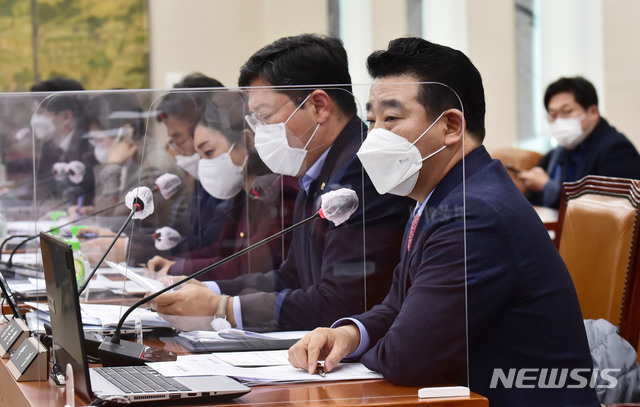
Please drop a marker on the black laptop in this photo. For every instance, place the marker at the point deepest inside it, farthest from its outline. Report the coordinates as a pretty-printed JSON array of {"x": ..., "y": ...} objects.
[{"x": 131, "y": 384}]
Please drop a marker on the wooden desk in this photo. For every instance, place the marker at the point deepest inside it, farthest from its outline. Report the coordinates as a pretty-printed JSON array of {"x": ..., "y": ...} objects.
[{"x": 351, "y": 393}]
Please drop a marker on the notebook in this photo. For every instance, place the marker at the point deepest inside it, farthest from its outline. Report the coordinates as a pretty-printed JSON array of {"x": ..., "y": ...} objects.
[{"x": 132, "y": 384}]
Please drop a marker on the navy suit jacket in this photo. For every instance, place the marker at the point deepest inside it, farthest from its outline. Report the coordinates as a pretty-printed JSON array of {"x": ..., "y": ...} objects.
[
  {"x": 330, "y": 271},
  {"x": 519, "y": 303},
  {"x": 605, "y": 152}
]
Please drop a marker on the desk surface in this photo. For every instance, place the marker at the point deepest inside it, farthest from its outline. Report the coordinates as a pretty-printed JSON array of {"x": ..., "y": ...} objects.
[{"x": 351, "y": 393}]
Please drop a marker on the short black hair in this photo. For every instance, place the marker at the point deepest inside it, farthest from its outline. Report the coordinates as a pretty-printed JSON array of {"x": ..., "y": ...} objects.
[
  {"x": 225, "y": 112},
  {"x": 430, "y": 62},
  {"x": 306, "y": 59},
  {"x": 56, "y": 84},
  {"x": 198, "y": 80},
  {"x": 185, "y": 105},
  {"x": 582, "y": 90}
]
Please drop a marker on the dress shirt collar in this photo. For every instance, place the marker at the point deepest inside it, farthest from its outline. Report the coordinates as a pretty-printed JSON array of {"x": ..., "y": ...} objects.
[{"x": 313, "y": 172}]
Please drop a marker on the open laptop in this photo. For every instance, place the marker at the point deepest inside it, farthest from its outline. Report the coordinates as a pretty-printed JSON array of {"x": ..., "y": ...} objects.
[{"x": 104, "y": 383}]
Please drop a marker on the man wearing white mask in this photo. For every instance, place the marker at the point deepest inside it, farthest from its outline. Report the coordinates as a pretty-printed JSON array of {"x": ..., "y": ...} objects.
[
  {"x": 311, "y": 133},
  {"x": 479, "y": 287},
  {"x": 587, "y": 144}
]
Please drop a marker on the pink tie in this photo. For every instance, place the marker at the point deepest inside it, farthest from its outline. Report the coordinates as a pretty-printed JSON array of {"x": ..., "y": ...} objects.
[{"x": 414, "y": 224}]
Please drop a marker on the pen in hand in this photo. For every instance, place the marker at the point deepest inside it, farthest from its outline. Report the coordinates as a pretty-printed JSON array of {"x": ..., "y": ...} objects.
[{"x": 320, "y": 370}]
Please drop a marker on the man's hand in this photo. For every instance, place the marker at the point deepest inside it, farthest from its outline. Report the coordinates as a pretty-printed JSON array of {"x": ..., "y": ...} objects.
[
  {"x": 160, "y": 265},
  {"x": 330, "y": 344},
  {"x": 535, "y": 179},
  {"x": 191, "y": 307}
]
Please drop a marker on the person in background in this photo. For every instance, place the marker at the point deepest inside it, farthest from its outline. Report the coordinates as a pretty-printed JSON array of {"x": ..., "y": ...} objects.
[
  {"x": 587, "y": 143},
  {"x": 129, "y": 158},
  {"x": 479, "y": 287},
  {"x": 230, "y": 169},
  {"x": 204, "y": 216},
  {"x": 312, "y": 134},
  {"x": 59, "y": 124}
]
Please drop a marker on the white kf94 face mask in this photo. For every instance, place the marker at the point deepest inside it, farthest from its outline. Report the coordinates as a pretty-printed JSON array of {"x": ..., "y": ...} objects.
[
  {"x": 189, "y": 163},
  {"x": 568, "y": 132},
  {"x": 392, "y": 162},
  {"x": 273, "y": 147},
  {"x": 220, "y": 177}
]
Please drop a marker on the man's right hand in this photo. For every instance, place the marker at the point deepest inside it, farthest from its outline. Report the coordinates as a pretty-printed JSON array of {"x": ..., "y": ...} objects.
[
  {"x": 534, "y": 180},
  {"x": 330, "y": 344}
]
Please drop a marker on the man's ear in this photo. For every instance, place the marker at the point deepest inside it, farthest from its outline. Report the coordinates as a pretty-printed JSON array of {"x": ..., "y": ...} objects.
[
  {"x": 454, "y": 124},
  {"x": 593, "y": 110},
  {"x": 321, "y": 103}
]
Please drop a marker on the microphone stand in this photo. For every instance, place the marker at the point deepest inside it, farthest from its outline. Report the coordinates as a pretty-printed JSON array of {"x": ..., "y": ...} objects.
[
  {"x": 115, "y": 352},
  {"x": 134, "y": 209}
]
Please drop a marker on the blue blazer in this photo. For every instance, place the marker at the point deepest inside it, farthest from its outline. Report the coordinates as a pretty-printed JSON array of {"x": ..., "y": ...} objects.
[
  {"x": 518, "y": 308},
  {"x": 605, "y": 152},
  {"x": 330, "y": 271}
]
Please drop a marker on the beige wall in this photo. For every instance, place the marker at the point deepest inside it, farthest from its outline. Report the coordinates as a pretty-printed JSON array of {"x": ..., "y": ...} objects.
[
  {"x": 215, "y": 37},
  {"x": 622, "y": 66},
  {"x": 491, "y": 48}
]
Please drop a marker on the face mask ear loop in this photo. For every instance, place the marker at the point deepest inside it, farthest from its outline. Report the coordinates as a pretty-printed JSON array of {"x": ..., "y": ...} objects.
[
  {"x": 434, "y": 153},
  {"x": 298, "y": 108},
  {"x": 311, "y": 138},
  {"x": 429, "y": 128}
]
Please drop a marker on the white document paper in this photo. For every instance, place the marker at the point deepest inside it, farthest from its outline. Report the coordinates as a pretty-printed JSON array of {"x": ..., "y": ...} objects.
[
  {"x": 255, "y": 358},
  {"x": 207, "y": 364},
  {"x": 149, "y": 284}
]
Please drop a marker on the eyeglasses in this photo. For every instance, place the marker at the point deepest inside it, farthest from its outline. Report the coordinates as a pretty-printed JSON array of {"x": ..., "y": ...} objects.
[
  {"x": 563, "y": 113},
  {"x": 256, "y": 119}
]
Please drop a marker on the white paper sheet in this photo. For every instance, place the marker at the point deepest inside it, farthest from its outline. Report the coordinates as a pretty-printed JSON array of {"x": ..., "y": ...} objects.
[
  {"x": 255, "y": 358},
  {"x": 205, "y": 364}
]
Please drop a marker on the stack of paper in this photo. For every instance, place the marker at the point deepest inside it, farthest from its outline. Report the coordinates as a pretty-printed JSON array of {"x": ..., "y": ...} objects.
[
  {"x": 257, "y": 368},
  {"x": 237, "y": 340},
  {"x": 102, "y": 317}
]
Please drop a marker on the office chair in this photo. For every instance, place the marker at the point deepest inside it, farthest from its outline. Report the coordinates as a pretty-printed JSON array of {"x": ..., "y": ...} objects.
[
  {"x": 597, "y": 237},
  {"x": 515, "y": 160}
]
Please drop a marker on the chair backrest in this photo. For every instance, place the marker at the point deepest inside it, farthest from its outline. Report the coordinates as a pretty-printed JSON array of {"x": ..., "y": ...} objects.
[
  {"x": 516, "y": 159},
  {"x": 598, "y": 239}
]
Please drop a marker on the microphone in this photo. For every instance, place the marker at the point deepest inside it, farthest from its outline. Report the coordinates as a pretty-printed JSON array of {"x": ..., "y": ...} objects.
[
  {"x": 140, "y": 201},
  {"x": 76, "y": 170},
  {"x": 59, "y": 171},
  {"x": 337, "y": 207},
  {"x": 168, "y": 184},
  {"x": 166, "y": 238}
]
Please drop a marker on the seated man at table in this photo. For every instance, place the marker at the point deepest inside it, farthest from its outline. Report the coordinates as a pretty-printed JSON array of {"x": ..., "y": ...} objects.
[
  {"x": 313, "y": 134},
  {"x": 587, "y": 144},
  {"x": 480, "y": 294}
]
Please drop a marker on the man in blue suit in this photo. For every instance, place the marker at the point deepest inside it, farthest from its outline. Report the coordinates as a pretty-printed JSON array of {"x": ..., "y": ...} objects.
[
  {"x": 312, "y": 133},
  {"x": 480, "y": 297},
  {"x": 587, "y": 143}
]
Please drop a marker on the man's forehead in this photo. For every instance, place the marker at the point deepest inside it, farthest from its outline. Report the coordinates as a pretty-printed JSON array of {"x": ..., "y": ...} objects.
[
  {"x": 391, "y": 93},
  {"x": 259, "y": 98},
  {"x": 562, "y": 99}
]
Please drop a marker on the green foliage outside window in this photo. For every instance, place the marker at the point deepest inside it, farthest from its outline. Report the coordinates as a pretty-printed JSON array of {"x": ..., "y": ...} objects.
[{"x": 101, "y": 43}]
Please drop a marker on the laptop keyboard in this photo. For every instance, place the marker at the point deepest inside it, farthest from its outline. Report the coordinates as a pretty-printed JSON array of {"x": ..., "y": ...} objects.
[{"x": 139, "y": 379}]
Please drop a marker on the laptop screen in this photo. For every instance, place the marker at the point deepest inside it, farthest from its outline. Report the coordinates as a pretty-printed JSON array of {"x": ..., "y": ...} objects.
[{"x": 64, "y": 309}]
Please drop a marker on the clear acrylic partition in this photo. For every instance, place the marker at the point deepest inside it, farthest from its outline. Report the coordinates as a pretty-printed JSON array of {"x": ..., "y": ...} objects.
[{"x": 81, "y": 167}]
